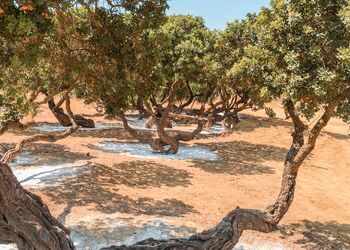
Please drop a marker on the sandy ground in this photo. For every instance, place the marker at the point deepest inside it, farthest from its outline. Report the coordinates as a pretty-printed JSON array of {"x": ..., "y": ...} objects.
[{"x": 113, "y": 198}]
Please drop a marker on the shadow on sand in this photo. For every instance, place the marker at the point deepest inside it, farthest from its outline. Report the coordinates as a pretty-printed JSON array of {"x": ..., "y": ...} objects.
[
  {"x": 98, "y": 187},
  {"x": 316, "y": 235},
  {"x": 144, "y": 174},
  {"x": 39, "y": 154},
  {"x": 242, "y": 158}
]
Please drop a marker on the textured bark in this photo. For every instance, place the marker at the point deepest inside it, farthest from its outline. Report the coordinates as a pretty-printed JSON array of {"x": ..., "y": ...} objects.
[
  {"x": 161, "y": 124},
  {"x": 173, "y": 142},
  {"x": 63, "y": 118},
  {"x": 224, "y": 236},
  {"x": 25, "y": 220},
  {"x": 161, "y": 119},
  {"x": 156, "y": 144}
]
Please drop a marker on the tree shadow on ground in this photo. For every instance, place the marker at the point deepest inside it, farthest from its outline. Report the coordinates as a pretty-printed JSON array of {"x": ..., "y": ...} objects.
[
  {"x": 116, "y": 131},
  {"x": 109, "y": 133},
  {"x": 39, "y": 154},
  {"x": 98, "y": 187},
  {"x": 144, "y": 174},
  {"x": 241, "y": 158},
  {"x": 316, "y": 235},
  {"x": 250, "y": 123},
  {"x": 100, "y": 233},
  {"x": 337, "y": 136}
]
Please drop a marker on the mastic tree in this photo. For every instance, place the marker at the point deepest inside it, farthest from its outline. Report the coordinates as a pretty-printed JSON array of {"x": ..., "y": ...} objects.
[
  {"x": 185, "y": 57},
  {"x": 183, "y": 44},
  {"x": 24, "y": 28},
  {"x": 234, "y": 87}
]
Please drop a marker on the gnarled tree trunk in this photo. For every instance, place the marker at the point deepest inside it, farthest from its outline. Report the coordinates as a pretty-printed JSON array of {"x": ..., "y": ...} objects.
[
  {"x": 63, "y": 118},
  {"x": 25, "y": 220}
]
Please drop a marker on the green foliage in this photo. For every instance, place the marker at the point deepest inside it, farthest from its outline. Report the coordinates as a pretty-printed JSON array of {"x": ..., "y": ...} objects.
[
  {"x": 186, "y": 45},
  {"x": 299, "y": 50},
  {"x": 117, "y": 51}
]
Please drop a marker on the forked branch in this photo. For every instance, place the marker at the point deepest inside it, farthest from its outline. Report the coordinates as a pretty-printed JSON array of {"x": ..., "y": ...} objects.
[{"x": 12, "y": 153}]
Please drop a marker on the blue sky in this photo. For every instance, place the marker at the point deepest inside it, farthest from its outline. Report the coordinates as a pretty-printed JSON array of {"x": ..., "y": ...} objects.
[{"x": 216, "y": 12}]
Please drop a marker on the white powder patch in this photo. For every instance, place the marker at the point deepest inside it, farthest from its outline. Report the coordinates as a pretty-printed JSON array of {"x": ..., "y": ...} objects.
[{"x": 144, "y": 151}]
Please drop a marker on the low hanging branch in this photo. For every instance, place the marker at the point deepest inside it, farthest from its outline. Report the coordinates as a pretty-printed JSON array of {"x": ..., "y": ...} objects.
[{"x": 11, "y": 154}]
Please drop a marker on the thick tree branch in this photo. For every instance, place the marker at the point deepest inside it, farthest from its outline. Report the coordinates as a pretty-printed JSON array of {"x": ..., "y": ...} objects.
[
  {"x": 11, "y": 154},
  {"x": 190, "y": 136}
]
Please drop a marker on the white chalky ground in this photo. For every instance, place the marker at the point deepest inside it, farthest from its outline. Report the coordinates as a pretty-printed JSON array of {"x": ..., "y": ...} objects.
[
  {"x": 55, "y": 127},
  {"x": 140, "y": 150},
  {"x": 118, "y": 232},
  {"x": 134, "y": 122}
]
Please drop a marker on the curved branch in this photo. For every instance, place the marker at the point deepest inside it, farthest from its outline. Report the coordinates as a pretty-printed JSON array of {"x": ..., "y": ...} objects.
[
  {"x": 224, "y": 236},
  {"x": 190, "y": 136},
  {"x": 130, "y": 130},
  {"x": 156, "y": 144},
  {"x": 190, "y": 99}
]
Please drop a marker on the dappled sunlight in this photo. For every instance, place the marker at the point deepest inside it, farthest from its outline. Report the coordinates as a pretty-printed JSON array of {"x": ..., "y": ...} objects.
[
  {"x": 99, "y": 188},
  {"x": 317, "y": 235},
  {"x": 241, "y": 158}
]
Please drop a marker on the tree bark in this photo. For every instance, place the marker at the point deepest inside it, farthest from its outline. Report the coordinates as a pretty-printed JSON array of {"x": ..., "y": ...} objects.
[
  {"x": 25, "y": 220},
  {"x": 190, "y": 136},
  {"x": 64, "y": 120},
  {"x": 190, "y": 99},
  {"x": 140, "y": 108},
  {"x": 161, "y": 121},
  {"x": 156, "y": 144}
]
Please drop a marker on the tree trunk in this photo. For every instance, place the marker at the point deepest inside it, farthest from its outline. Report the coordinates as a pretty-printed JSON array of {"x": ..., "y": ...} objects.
[
  {"x": 156, "y": 144},
  {"x": 64, "y": 120},
  {"x": 190, "y": 99},
  {"x": 231, "y": 119},
  {"x": 25, "y": 220},
  {"x": 190, "y": 136},
  {"x": 140, "y": 108}
]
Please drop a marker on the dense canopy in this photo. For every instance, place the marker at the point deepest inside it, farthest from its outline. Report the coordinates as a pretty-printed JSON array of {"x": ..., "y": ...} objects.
[{"x": 127, "y": 55}]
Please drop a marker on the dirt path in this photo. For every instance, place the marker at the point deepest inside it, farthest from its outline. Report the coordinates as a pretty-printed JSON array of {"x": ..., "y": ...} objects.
[{"x": 111, "y": 198}]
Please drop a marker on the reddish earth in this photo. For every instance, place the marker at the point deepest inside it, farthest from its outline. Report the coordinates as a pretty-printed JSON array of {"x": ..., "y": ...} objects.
[{"x": 127, "y": 198}]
